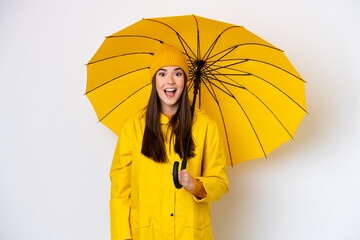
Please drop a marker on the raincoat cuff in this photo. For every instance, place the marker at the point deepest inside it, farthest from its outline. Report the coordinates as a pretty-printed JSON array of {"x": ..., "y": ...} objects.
[
  {"x": 198, "y": 191},
  {"x": 205, "y": 198}
]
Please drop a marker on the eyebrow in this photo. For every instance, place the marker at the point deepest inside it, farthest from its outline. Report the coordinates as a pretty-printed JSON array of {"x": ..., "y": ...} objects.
[{"x": 174, "y": 69}]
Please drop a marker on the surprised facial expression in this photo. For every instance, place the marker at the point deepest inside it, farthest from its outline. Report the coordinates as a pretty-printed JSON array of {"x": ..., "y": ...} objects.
[{"x": 169, "y": 86}]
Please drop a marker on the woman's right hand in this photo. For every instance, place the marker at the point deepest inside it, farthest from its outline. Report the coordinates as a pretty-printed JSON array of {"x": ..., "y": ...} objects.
[{"x": 186, "y": 180}]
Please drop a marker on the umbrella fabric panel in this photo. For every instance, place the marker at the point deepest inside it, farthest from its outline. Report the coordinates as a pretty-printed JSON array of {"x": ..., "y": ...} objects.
[
  {"x": 120, "y": 99},
  {"x": 251, "y": 129},
  {"x": 260, "y": 61},
  {"x": 261, "y": 78},
  {"x": 158, "y": 31},
  {"x": 266, "y": 86},
  {"x": 280, "y": 103},
  {"x": 257, "y": 119},
  {"x": 106, "y": 71},
  {"x": 236, "y": 41},
  {"x": 234, "y": 126},
  {"x": 128, "y": 108},
  {"x": 280, "y": 81}
]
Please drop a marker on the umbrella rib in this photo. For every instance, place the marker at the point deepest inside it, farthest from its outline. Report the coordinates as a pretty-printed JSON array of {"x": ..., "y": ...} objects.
[
  {"x": 244, "y": 44},
  {"x": 181, "y": 39},
  {"x": 101, "y": 85},
  {"x": 233, "y": 85},
  {"x": 240, "y": 86},
  {"x": 198, "y": 38},
  {"x": 192, "y": 68},
  {"x": 212, "y": 95},
  {"x": 124, "y": 101},
  {"x": 226, "y": 66},
  {"x": 256, "y": 60},
  {"x": 135, "y": 36},
  {"x": 229, "y": 51},
  {"x": 252, "y": 126},
  {"x": 186, "y": 52},
  {"x": 222, "y": 119},
  {"x": 211, "y": 48},
  {"x": 121, "y": 55},
  {"x": 191, "y": 85},
  {"x": 142, "y": 36},
  {"x": 213, "y": 84},
  {"x": 244, "y": 73}
]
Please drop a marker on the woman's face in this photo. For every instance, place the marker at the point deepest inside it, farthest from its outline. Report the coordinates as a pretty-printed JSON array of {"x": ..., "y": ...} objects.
[{"x": 169, "y": 86}]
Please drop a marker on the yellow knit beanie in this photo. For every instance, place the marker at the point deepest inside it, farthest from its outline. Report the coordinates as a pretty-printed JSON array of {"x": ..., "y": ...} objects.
[{"x": 167, "y": 55}]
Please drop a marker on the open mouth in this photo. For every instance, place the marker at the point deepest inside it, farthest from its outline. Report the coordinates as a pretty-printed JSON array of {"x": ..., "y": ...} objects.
[{"x": 170, "y": 92}]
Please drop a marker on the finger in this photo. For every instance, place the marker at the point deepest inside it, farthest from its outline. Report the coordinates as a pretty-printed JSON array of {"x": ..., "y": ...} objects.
[{"x": 183, "y": 173}]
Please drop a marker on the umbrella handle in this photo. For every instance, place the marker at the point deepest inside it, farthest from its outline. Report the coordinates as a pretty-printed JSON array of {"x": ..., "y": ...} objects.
[{"x": 176, "y": 173}]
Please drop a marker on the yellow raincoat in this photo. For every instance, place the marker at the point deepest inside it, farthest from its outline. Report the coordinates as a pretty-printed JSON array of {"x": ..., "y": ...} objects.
[{"x": 144, "y": 202}]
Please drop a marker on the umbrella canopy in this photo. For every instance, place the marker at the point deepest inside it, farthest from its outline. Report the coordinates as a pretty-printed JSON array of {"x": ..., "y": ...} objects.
[{"x": 246, "y": 85}]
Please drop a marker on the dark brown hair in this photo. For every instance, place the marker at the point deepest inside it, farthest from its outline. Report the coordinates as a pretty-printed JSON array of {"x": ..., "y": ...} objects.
[{"x": 153, "y": 145}]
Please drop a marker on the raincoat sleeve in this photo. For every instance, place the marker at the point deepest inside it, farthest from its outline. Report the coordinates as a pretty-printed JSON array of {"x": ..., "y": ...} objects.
[
  {"x": 214, "y": 177},
  {"x": 120, "y": 175}
]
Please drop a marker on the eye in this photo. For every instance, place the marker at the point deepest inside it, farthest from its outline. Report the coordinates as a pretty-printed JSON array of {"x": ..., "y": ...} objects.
[
  {"x": 161, "y": 74},
  {"x": 178, "y": 74}
]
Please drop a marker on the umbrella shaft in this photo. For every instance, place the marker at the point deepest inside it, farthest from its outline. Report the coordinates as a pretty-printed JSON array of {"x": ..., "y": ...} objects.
[
  {"x": 196, "y": 90},
  {"x": 188, "y": 137}
]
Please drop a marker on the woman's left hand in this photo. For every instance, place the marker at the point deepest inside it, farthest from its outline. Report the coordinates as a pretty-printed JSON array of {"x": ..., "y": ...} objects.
[{"x": 186, "y": 180}]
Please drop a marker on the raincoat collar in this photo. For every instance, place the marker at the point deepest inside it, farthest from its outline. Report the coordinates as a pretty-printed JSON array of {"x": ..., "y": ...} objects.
[{"x": 164, "y": 119}]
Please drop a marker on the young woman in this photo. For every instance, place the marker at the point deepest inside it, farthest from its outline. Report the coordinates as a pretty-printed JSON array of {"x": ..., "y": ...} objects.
[{"x": 144, "y": 202}]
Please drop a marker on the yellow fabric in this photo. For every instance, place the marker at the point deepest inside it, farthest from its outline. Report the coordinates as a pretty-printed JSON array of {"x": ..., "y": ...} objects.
[
  {"x": 144, "y": 203},
  {"x": 259, "y": 92},
  {"x": 168, "y": 55}
]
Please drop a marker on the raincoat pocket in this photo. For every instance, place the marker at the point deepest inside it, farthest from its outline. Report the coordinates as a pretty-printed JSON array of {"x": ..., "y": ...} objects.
[
  {"x": 199, "y": 225},
  {"x": 199, "y": 219},
  {"x": 139, "y": 220}
]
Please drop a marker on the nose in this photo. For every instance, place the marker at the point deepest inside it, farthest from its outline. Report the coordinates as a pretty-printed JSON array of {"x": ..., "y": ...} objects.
[{"x": 170, "y": 79}]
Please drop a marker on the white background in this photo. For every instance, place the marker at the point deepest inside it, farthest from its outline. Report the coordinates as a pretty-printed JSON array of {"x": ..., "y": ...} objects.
[{"x": 55, "y": 156}]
